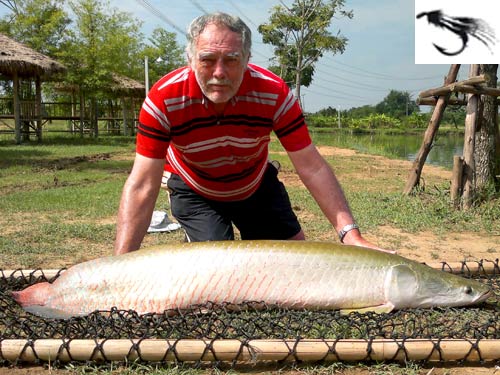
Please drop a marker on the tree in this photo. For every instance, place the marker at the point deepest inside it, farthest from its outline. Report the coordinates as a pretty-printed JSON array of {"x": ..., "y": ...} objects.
[
  {"x": 364, "y": 111},
  {"x": 397, "y": 104},
  {"x": 288, "y": 74},
  {"x": 300, "y": 34},
  {"x": 165, "y": 52},
  {"x": 329, "y": 112},
  {"x": 104, "y": 40},
  {"x": 486, "y": 157},
  {"x": 41, "y": 24}
]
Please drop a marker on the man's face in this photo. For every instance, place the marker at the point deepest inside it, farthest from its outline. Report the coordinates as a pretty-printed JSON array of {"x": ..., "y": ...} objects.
[{"x": 218, "y": 63}]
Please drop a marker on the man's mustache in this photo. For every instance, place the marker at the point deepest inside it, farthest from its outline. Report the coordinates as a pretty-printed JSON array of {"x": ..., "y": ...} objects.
[{"x": 219, "y": 82}]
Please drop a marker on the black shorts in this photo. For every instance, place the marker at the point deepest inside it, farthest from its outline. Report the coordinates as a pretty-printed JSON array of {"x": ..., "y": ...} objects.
[{"x": 267, "y": 214}]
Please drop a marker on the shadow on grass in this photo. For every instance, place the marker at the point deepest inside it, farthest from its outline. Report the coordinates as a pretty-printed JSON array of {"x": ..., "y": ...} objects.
[{"x": 61, "y": 150}]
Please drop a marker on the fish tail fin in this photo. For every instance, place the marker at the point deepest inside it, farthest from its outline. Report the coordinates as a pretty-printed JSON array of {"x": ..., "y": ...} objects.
[
  {"x": 33, "y": 299},
  {"x": 33, "y": 295}
]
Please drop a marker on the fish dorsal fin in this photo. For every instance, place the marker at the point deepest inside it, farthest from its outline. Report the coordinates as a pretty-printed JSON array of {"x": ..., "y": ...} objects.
[{"x": 401, "y": 286}]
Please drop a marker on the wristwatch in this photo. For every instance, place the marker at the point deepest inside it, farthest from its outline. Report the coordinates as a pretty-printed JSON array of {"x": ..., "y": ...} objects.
[{"x": 346, "y": 230}]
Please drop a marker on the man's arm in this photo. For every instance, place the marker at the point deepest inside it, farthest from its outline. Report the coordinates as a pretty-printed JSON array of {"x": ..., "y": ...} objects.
[
  {"x": 137, "y": 203},
  {"x": 320, "y": 180}
]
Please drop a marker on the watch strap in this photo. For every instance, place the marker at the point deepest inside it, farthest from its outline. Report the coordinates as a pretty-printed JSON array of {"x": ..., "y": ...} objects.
[{"x": 346, "y": 229}]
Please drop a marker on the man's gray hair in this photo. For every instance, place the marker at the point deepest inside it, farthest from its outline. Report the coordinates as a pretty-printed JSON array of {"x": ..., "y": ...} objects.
[{"x": 233, "y": 23}]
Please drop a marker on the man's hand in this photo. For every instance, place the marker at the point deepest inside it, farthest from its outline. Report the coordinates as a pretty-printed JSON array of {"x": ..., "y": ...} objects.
[{"x": 354, "y": 238}]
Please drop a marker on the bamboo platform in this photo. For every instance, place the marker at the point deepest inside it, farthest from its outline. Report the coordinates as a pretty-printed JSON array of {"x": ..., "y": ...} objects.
[{"x": 236, "y": 351}]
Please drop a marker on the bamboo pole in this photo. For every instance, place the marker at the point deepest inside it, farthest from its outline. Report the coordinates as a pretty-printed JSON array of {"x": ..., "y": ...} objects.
[
  {"x": 232, "y": 350},
  {"x": 452, "y": 87},
  {"x": 480, "y": 267},
  {"x": 432, "y": 128},
  {"x": 479, "y": 90},
  {"x": 433, "y": 101}
]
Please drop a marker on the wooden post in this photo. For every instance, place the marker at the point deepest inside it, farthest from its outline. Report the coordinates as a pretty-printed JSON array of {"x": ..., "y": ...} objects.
[
  {"x": 73, "y": 110},
  {"x": 456, "y": 180},
  {"x": 38, "y": 108},
  {"x": 418, "y": 164},
  {"x": 454, "y": 86},
  {"x": 82, "y": 112},
  {"x": 125, "y": 117},
  {"x": 17, "y": 108},
  {"x": 469, "y": 144}
]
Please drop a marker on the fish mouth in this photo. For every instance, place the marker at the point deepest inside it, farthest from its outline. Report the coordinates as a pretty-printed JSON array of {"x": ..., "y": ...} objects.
[{"x": 483, "y": 297}]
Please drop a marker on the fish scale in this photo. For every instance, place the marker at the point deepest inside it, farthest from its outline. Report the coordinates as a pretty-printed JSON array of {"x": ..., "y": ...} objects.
[{"x": 292, "y": 274}]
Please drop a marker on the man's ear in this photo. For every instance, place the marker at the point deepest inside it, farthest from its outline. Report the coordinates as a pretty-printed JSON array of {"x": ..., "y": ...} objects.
[{"x": 189, "y": 58}]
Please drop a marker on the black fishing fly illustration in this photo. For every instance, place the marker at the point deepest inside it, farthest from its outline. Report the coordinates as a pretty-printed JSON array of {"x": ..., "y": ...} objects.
[{"x": 463, "y": 27}]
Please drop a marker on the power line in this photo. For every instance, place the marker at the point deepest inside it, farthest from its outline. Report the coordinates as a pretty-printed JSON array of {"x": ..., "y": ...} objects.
[
  {"x": 241, "y": 13},
  {"x": 376, "y": 75},
  {"x": 160, "y": 15},
  {"x": 344, "y": 95},
  {"x": 147, "y": 5},
  {"x": 11, "y": 4},
  {"x": 363, "y": 85},
  {"x": 197, "y": 5}
]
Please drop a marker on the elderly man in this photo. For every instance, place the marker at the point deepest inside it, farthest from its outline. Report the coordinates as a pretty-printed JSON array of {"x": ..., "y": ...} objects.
[{"x": 209, "y": 126}]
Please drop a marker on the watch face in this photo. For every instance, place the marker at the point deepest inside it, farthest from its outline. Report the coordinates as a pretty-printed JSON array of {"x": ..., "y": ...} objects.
[{"x": 346, "y": 229}]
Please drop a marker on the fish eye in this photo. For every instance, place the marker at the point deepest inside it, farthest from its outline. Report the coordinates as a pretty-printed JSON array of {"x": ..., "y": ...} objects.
[{"x": 467, "y": 289}]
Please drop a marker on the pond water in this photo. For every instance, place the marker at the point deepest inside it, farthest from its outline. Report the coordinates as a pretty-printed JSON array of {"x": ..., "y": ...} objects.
[{"x": 403, "y": 146}]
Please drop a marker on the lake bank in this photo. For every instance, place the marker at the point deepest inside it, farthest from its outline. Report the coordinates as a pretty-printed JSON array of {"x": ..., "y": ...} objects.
[{"x": 393, "y": 144}]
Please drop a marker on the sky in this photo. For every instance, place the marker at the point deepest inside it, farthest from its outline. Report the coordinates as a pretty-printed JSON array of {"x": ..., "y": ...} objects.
[{"x": 380, "y": 55}]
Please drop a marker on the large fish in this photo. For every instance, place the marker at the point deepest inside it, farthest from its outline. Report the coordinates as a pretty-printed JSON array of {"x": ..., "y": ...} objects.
[{"x": 293, "y": 274}]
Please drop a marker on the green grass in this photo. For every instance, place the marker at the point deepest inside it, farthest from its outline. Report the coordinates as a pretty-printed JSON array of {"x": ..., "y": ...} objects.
[
  {"x": 378, "y": 201},
  {"x": 324, "y": 369}
]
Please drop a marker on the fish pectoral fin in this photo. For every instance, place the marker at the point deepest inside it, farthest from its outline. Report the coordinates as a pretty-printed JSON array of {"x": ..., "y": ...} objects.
[
  {"x": 48, "y": 312},
  {"x": 379, "y": 309}
]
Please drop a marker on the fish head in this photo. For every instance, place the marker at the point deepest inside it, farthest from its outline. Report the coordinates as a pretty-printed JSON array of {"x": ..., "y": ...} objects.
[{"x": 441, "y": 289}]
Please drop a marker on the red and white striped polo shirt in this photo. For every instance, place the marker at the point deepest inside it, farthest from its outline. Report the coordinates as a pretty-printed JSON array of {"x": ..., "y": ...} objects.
[{"x": 220, "y": 157}]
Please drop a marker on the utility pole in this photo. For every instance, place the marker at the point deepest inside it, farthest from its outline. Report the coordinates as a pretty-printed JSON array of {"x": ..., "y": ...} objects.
[{"x": 146, "y": 74}]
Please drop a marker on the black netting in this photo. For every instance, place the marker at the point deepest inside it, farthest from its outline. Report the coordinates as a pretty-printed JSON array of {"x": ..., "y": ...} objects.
[{"x": 252, "y": 321}]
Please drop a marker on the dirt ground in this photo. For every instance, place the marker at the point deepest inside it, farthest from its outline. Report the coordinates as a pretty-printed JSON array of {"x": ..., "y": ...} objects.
[{"x": 425, "y": 247}]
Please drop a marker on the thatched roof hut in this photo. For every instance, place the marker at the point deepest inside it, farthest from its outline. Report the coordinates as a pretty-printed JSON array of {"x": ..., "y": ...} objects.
[
  {"x": 120, "y": 86},
  {"x": 19, "y": 61},
  {"x": 16, "y": 58},
  {"x": 125, "y": 86}
]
